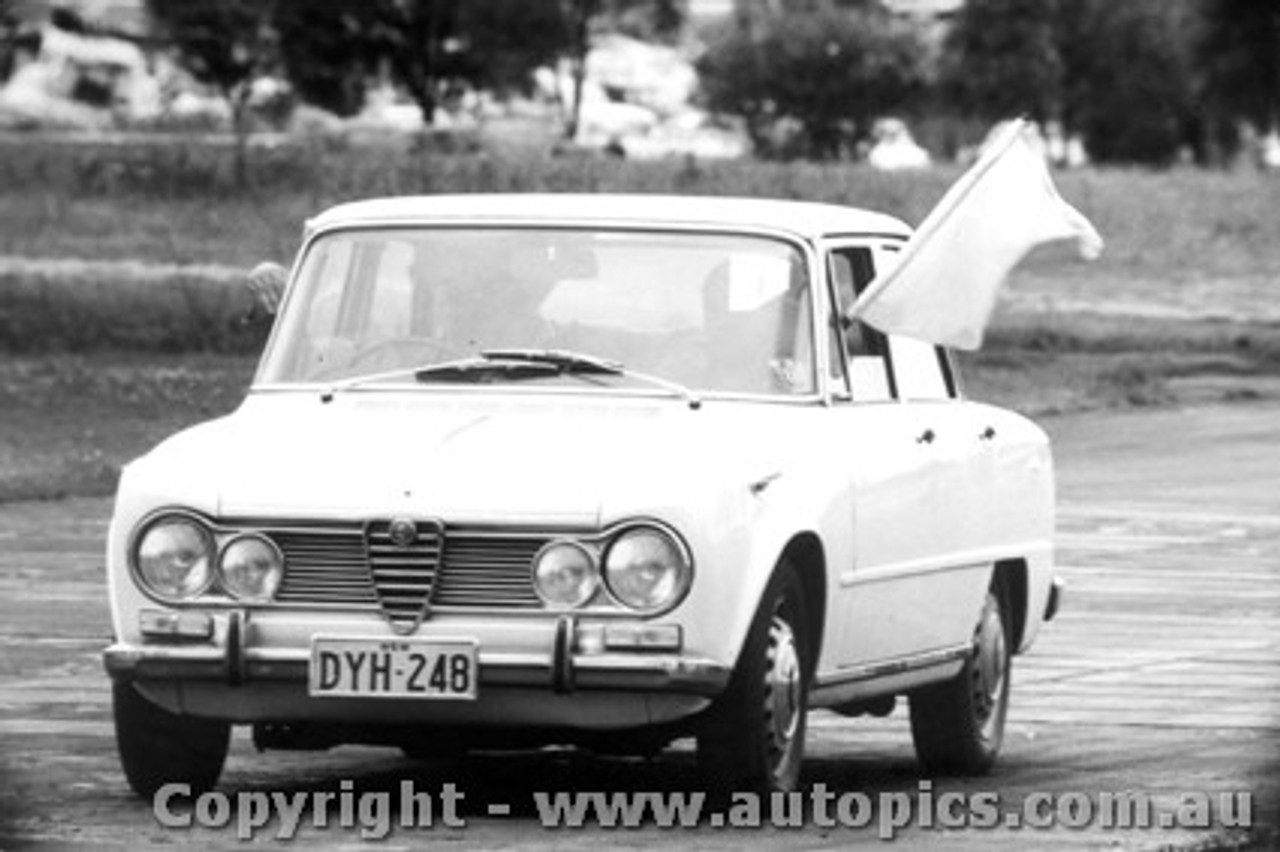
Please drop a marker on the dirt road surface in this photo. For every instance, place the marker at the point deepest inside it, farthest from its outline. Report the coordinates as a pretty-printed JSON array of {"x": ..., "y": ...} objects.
[{"x": 1160, "y": 679}]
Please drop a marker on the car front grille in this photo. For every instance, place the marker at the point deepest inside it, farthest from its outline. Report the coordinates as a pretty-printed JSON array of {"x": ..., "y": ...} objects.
[
  {"x": 404, "y": 573},
  {"x": 359, "y": 567},
  {"x": 325, "y": 567}
]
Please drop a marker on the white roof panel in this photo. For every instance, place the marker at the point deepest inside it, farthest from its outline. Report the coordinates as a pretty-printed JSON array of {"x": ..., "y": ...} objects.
[{"x": 802, "y": 218}]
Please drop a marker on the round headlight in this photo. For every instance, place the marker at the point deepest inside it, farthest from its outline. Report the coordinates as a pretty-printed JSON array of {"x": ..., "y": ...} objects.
[
  {"x": 564, "y": 575},
  {"x": 646, "y": 569},
  {"x": 251, "y": 568},
  {"x": 174, "y": 557}
]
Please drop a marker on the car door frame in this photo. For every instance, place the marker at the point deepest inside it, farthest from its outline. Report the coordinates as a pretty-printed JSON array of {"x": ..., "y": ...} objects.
[{"x": 902, "y": 600}]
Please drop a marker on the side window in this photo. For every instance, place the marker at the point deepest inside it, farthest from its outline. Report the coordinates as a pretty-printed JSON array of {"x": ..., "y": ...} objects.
[
  {"x": 865, "y": 349},
  {"x": 918, "y": 368}
]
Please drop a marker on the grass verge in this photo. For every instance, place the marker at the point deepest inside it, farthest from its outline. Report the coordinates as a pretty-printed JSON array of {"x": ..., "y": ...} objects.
[
  {"x": 72, "y": 421},
  {"x": 173, "y": 203}
]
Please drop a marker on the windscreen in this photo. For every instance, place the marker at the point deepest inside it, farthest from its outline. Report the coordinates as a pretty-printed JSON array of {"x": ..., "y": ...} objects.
[{"x": 712, "y": 312}]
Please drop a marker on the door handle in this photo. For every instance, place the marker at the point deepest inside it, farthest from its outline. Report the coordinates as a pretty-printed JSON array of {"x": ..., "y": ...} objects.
[
  {"x": 926, "y": 437},
  {"x": 987, "y": 434}
]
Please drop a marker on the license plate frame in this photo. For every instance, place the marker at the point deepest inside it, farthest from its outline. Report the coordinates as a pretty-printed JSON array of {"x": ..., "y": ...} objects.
[{"x": 400, "y": 669}]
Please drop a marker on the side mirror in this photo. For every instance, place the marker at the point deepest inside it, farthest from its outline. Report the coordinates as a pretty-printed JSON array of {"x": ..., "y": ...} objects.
[{"x": 266, "y": 281}]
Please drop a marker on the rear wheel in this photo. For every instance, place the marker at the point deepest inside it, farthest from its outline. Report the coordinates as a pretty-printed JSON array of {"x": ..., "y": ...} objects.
[
  {"x": 158, "y": 747},
  {"x": 958, "y": 726},
  {"x": 753, "y": 739}
]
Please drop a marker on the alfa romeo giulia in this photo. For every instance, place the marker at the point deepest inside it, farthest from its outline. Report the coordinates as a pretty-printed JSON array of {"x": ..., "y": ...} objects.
[{"x": 608, "y": 471}]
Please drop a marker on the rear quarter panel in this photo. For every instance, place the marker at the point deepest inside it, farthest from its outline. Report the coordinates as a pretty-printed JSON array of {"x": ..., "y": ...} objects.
[{"x": 1013, "y": 515}]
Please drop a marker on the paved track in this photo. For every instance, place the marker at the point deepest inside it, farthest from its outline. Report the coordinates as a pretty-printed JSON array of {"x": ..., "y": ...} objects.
[{"x": 1162, "y": 675}]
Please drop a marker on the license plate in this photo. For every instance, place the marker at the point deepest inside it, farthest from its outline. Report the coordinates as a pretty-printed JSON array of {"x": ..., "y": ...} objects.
[{"x": 393, "y": 668}]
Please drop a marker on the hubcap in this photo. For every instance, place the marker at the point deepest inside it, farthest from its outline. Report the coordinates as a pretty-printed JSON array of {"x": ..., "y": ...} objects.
[
  {"x": 989, "y": 671},
  {"x": 782, "y": 693}
]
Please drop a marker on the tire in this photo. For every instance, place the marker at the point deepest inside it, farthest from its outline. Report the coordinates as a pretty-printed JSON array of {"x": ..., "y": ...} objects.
[
  {"x": 753, "y": 737},
  {"x": 158, "y": 747},
  {"x": 958, "y": 726}
]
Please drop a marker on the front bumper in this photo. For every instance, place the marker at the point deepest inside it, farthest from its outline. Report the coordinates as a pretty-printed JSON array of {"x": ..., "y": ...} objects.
[{"x": 561, "y": 668}]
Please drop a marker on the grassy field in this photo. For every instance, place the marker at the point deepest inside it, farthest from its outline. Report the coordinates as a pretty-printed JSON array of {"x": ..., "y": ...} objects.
[
  {"x": 174, "y": 205},
  {"x": 102, "y": 364},
  {"x": 70, "y": 421}
]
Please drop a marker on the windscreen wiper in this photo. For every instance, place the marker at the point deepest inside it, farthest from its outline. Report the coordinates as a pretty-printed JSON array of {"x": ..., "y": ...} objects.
[
  {"x": 485, "y": 369},
  {"x": 562, "y": 359},
  {"x": 476, "y": 369},
  {"x": 494, "y": 365},
  {"x": 577, "y": 362}
]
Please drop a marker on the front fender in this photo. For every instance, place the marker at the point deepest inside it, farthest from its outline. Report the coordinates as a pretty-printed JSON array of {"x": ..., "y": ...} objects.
[
  {"x": 737, "y": 547},
  {"x": 144, "y": 488}
]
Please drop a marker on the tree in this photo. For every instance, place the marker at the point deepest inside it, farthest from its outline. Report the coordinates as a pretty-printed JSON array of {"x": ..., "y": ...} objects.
[
  {"x": 416, "y": 38},
  {"x": 427, "y": 46},
  {"x": 1129, "y": 84},
  {"x": 227, "y": 44},
  {"x": 1001, "y": 59},
  {"x": 323, "y": 54},
  {"x": 330, "y": 48},
  {"x": 578, "y": 14},
  {"x": 1120, "y": 74},
  {"x": 1240, "y": 52},
  {"x": 831, "y": 70},
  {"x": 647, "y": 20},
  {"x": 583, "y": 19},
  {"x": 503, "y": 41},
  {"x": 8, "y": 37}
]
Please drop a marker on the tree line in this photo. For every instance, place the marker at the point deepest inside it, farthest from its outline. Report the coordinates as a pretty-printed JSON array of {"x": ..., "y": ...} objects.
[
  {"x": 1140, "y": 81},
  {"x": 328, "y": 49}
]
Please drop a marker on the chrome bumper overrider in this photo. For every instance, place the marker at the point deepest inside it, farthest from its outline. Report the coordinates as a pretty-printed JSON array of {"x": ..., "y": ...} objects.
[
  {"x": 1057, "y": 590},
  {"x": 559, "y": 668}
]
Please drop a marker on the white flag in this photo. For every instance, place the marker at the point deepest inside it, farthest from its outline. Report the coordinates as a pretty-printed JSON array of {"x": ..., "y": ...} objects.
[{"x": 943, "y": 288}]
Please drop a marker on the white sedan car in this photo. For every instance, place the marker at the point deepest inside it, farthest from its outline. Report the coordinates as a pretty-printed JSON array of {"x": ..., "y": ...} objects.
[{"x": 595, "y": 470}]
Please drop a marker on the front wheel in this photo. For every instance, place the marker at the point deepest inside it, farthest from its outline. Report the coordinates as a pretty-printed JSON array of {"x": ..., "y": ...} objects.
[
  {"x": 158, "y": 747},
  {"x": 753, "y": 739},
  {"x": 958, "y": 726}
]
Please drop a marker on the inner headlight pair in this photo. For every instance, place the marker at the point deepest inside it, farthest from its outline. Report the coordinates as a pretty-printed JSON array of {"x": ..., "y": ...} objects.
[
  {"x": 176, "y": 558},
  {"x": 644, "y": 568}
]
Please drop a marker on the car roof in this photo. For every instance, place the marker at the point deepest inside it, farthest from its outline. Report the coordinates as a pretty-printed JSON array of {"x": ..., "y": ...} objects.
[{"x": 801, "y": 218}]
